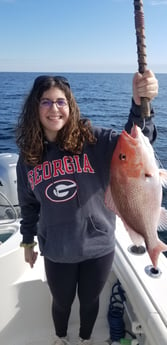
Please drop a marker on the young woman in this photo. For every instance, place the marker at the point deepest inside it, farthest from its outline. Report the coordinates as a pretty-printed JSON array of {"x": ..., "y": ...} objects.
[{"x": 62, "y": 176}]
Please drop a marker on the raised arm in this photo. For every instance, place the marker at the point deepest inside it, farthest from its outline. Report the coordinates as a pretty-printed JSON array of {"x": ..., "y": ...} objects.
[{"x": 145, "y": 85}]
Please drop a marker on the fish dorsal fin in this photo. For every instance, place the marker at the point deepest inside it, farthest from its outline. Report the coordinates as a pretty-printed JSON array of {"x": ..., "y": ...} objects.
[
  {"x": 136, "y": 238},
  {"x": 162, "y": 225}
]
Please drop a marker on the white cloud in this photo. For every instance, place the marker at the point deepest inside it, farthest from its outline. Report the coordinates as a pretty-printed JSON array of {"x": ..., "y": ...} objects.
[{"x": 158, "y": 2}]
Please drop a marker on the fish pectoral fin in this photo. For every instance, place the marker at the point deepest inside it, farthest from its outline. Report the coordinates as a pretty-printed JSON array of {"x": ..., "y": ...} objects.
[
  {"x": 163, "y": 177},
  {"x": 162, "y": 225},
  {"x": 109, "y": 202}
]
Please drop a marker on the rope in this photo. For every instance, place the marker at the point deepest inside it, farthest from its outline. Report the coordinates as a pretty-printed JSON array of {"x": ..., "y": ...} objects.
[{"x": 116, "y": 312}]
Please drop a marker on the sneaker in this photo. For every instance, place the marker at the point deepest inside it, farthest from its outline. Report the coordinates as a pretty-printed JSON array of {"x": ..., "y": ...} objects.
[
  {"x": 61, "y": 341},
  {"x": 84, "y": 341}
]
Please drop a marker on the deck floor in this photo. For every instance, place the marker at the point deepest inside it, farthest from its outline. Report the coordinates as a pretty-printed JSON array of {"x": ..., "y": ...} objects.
[{"x": 46, "y": 336}]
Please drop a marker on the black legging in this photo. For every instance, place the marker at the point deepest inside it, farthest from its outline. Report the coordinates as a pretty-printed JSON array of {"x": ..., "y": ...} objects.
[{"x": 63, "y": 279}]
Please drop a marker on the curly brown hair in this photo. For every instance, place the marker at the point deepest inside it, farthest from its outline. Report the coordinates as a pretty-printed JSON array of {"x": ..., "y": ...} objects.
[{"x": 29, "y": 132}]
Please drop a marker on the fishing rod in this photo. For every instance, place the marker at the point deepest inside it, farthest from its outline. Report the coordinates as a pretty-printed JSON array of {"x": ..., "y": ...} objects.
[
  {"x": 142, "y": 63},
  {"x": 141, "y": 50}
]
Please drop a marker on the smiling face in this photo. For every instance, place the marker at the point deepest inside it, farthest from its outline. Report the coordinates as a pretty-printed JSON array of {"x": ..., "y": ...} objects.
[{"x": 53, "y": 116}]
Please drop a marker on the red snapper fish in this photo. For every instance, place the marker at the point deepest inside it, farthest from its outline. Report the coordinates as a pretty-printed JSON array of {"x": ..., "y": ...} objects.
[{"x": 135, "y": 191}]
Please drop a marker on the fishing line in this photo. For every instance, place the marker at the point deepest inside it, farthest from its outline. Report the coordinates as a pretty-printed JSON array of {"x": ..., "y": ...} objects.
[
  {"x": 158, "y": 160},
  {"x": 144, "y": 124}
]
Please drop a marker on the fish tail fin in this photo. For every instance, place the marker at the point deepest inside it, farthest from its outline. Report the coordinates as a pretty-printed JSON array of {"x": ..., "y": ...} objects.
[{"x": 154, "y": 253}]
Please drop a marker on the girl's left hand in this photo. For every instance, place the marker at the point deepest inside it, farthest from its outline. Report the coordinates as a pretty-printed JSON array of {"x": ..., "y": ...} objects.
[{"x": 144, "y": 85}]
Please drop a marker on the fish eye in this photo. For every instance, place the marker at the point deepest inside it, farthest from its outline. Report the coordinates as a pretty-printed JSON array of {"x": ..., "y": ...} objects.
[{"x": 122, "y": 156}]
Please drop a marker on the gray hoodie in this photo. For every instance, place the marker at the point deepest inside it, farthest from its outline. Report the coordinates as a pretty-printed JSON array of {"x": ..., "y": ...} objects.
[{"x": 62, "y": 199}]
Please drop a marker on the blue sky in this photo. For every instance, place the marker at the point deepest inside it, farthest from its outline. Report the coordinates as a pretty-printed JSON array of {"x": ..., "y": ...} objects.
[{"x": 79, "y": 35}]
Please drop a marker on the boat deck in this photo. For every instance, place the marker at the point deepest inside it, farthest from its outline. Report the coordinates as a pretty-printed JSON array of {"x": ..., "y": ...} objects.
[{"x": 25, "y": 302}]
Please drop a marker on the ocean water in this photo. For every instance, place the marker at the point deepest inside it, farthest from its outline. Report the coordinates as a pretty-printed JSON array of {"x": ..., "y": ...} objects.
[{"x": 105, "y": 98}]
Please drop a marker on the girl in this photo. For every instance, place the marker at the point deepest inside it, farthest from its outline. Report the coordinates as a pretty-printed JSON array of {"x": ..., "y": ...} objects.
[{"x": 62, "y": 176}]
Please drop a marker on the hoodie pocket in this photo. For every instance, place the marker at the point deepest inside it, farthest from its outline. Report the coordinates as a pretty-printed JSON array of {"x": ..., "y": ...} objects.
[{"x": 96, "y": 226}]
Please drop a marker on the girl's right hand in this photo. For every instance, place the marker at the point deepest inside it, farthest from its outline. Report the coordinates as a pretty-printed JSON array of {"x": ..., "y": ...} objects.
[{"x": 30, "y": 256}]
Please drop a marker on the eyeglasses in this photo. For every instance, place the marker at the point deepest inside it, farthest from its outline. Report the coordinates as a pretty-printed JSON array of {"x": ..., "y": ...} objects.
[
  {"x": 48, "y": 103},
  {"x": 58, "y": 78}
]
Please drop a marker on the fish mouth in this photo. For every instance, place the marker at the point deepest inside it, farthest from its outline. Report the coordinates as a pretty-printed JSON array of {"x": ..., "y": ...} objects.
[
  {"x": 135, "y": 131},
  {"x": 134, "y": 134}
]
